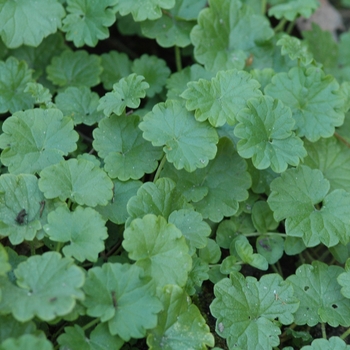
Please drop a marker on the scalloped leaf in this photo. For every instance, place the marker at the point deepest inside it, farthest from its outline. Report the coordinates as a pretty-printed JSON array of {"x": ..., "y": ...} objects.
[
  {"x": 187, "y": 143},
  {"x": 221, "y": 99},
  {"x": 74, "y": 179},
  {"x": 35, "y": 139},
  {"x": 265, "y": 132},
  {"x": 26, "y": 342},
  {"x": 327, "y": 344},
  {"x": 293, "y": 9}
]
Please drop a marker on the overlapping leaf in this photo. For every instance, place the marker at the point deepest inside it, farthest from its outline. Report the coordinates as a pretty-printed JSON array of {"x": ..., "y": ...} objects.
[
  {"x": 159, "y": 248},
  {"x": 180, "y": 325},
  {"x": 119, "y": 295},
  {"x": 246, "y": 310},
  {"x": 79, "y": 180},
  {"x": 19, "y": 21},
  {"x": 127, "y": 155},
  {"x": 88, "y": 21},
  {"x": 302, "y": 197},
  {"x": 11, "y": 328},
  {"x": 314, "y": 99},
  {"x": 317, "y": 289},
  {"x": 187, "y": 143},
  {"x": 215, "y": 190},
  {"x": 221, "y": 99},
  {"x": 327, "y": 344},
  {"x": 126, "y": 93},
  {"x": 48, "y": 286},
  {"x": 26, "y": 342},
  {"x": 240, "y": 31},
  {"x": 265, "y": 130},
  {"x": 35, "y": 139},
  {"x": 291, "y": 9}
]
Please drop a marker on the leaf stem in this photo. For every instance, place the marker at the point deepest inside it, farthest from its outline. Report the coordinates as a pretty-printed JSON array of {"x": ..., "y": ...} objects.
[
  {"x": 263, "y": 6},
  {"x": 255, "y": 234},
  {"x": 280, "y": 25},
  {"x": 178, "y": 58},
  {"x": 345, "y": 334},
  {"x": 90, "y": 324},
  {"x": 340, "y": 138},
  {"x": 160, "y": 168},
  {"x": 59, "y": 246},
  {"x": 323, "y": 329},
  {"x": 290, "y": 27}
]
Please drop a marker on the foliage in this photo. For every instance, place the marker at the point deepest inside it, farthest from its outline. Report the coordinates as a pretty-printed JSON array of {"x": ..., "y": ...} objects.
[{"x": 174, "y": 175}]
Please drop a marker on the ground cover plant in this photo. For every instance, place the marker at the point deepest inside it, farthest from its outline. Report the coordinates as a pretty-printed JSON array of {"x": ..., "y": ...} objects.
[{"x": 174, "y": 175}]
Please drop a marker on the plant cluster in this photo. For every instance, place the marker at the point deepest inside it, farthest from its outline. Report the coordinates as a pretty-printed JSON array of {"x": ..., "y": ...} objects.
[{"x": 174, "y": 175}]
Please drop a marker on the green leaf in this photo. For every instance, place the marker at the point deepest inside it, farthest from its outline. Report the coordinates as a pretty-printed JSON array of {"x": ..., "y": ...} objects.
[
  {"x": 48, "y": 286},
  {"x": 74, "y": 338},
  {"x": 319, "y": 293},
  {"x": 88, "y": 22},
  {"x": 127, "y": 155},
  {"x": 229, "y": 20},
  {"x": 314, "y": 99},
  {"x": 265, "y": 129},
  {"x": 211, "y": 253},
  {"x": 295, "y": 49},
  {"x": 119, "y": 295},
  {"x": 14, "y": 76},
  {"x": 11, "y": 328},
  {"x": 192, "y": 226},
  {"x": 35, "y": 139},
  {"x": 215, "y": 190},
  {"x": 19, "y": 21},
  {"x": 332, "y": 157},
  {"x": 79, "y": 103},
  {"x": 159, "y": 248},
  {"x": 301, "y": 197},
  {"x": 116, "y": 65},
  {"x": 75, "y": 179},
  {"x": 327, "y": 344},
  {"x": 143, "y": 9},
  {"x": 126, "y": 93},
  {"x": 222, "y": 98},
  {"x": 271, "y": 247},
  {"x": 246, "y": 310},
  {"x": 41, "y": 94},
  {"x": 187, "y": 143},
  {"x": 344, "y": 280},
  {"x": 180, "y": 325},
  {"x": 262, "y": 217},
  {"x": 75, "y": 69},
  {"x": 293, "y": 9},
  {"x": 4, "y": 265},
  {"x": 20, "y": 207},
  {"x": 154, "y": 70},
  {"x": 116, "y": 211},
  {"x": 159, "y": 198},
  {"x": 83, "y": 228},
  {"x": 197, "y": 275},
  {"x": 26, "y": 342}
]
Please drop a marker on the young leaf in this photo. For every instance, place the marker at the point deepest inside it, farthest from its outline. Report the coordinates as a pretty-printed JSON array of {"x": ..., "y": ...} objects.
[
  {"x": 271, "y": 247},
  {"x": 88, "y": 21},
  {"x": 327, "y": 344},
  {"x": 126, "y": 93},
  {"x": 246, "y": 310},
  {"x": 4, "y": 265},
  {"x": 127, "y": 155},
  {"x": 19, "y": 21},
  {"x": 159, "y": 248},
  {"x": 197, "y": 275},
  {"x": 332, "y": 157},
  {"x": 229, "y": 20},
  {"x": 319, "y": 293},
  {"x": 48, "y": 286},
  {"x": 41, "y": 94},
  {"x": 116, "y": 65},
  {"x": 344, "y": 280},
  {"x": 79, "y": 103},
  {"x": 187, "y": 143},
  {"x": 215, "y": 190},
  {"x": 14, "y": 76},
  {"x": 11, "y": 328},
  {"x": 75, "y": 179},
  {"x": 180, "y": 325},
  {"x": 84, "y": 229},
  {"x": 75, "y": 69},
  {"x": 314, "y": 99},
  {"x": 292, "y": 9},
  {"x": 26, "y": 342},
  {"x": 296, "y": 197},
  {"x": 154, "y": 70},
  {"x": 20, "y": 202},
  {"x": 143, "y": 9},
  {"x": 35, "y": 139},
  {"x": 211, "y": 253},
  {"x": 222, "y": 98},
  {"x": 262, "y": 217},
  {"x": 119, "y": 295},
  {"x": 265, "y": 129}
]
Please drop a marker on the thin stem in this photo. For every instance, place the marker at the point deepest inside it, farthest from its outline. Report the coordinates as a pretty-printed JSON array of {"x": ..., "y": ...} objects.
[
  {"x": 90, "y": 324},
  {"x": 340, "y": 138},
  {"x": 178, "y": 59},
  {"x": 280, "y": 25},
  {"x": 263, "y": 6},
  {"x": 160, "y": 168},
  {"x": 345, "y": 334},
  {"x": 59, "y": 246},
  {"x": 290, "y": 27},
  {"x": 255, "y": 234},
  {"x": 323, "y": 329}
]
